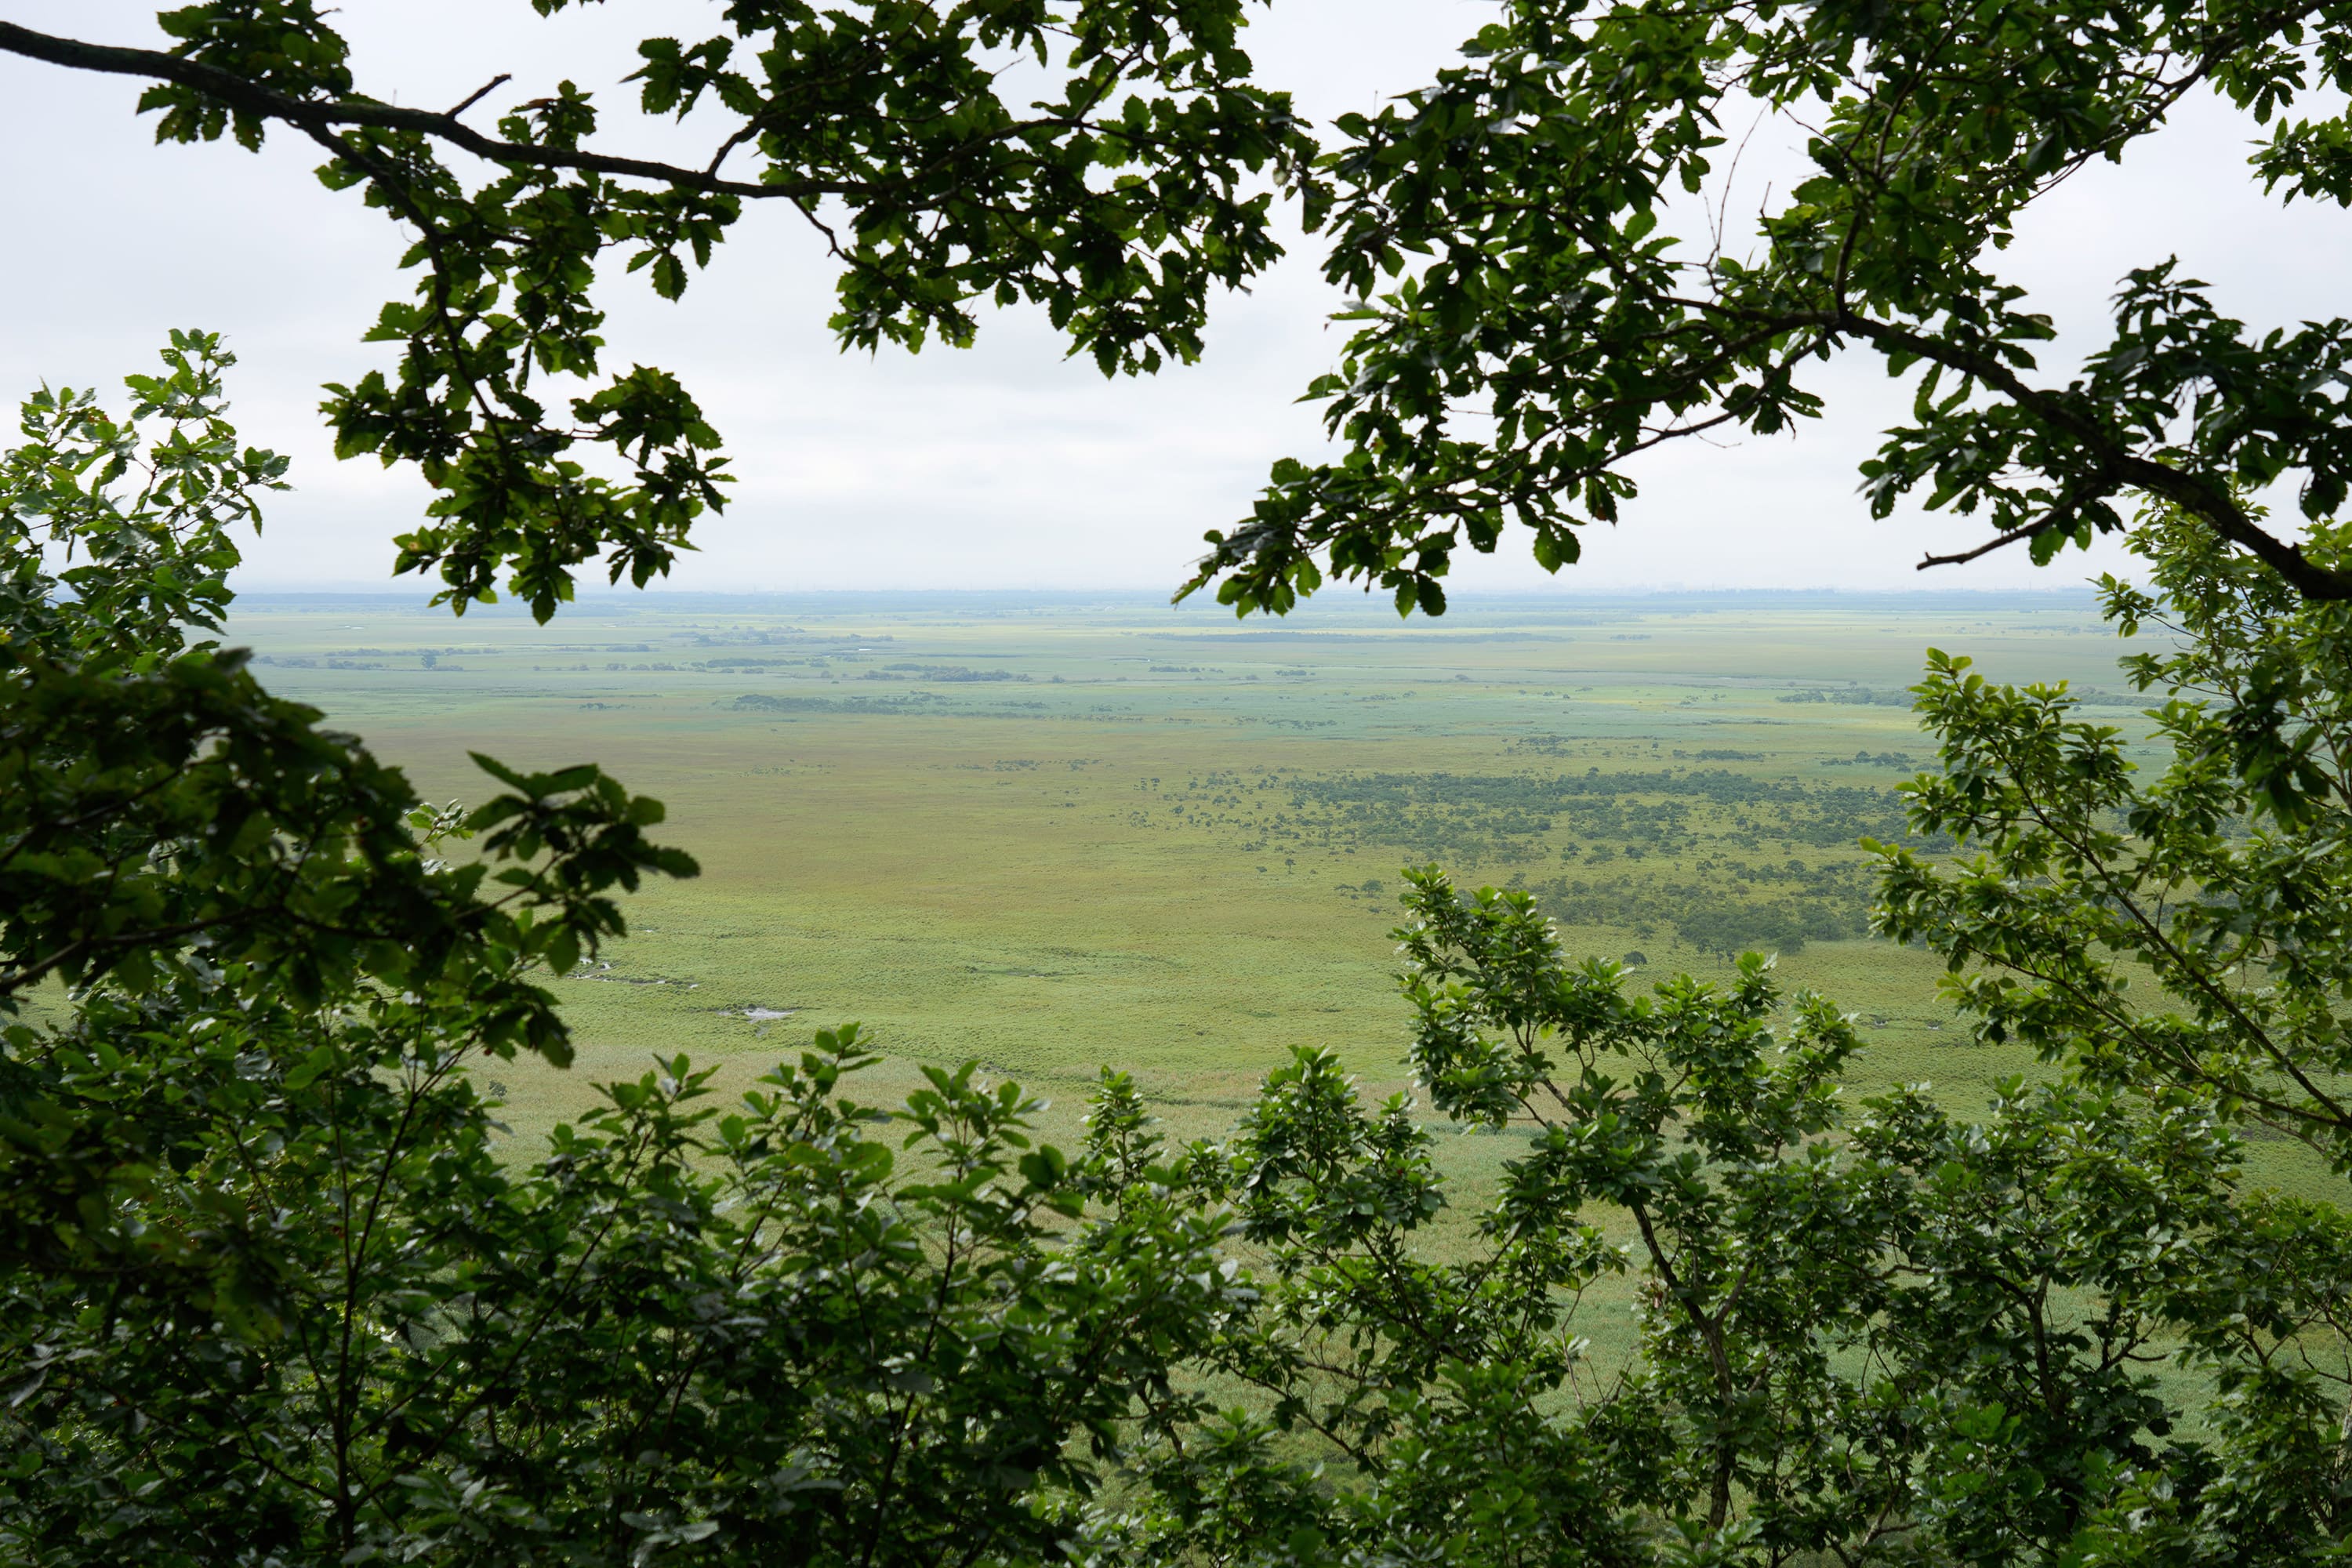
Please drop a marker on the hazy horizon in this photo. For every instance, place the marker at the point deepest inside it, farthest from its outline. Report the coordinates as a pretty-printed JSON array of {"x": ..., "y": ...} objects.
[{"x": 1460, "y": 602}]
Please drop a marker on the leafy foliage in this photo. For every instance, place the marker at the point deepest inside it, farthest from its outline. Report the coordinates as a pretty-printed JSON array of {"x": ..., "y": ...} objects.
[
  {"x": 274, "y": 1287},
  {"x": 165, "y": 816},
  {"x": 1885, "y": 1336},
  {"x": 742, "y": 1334},
  {"x": 2219, "y": 876},
  {"x": 1529, "y": 322},
  {"x": 1115, "y": 201}
]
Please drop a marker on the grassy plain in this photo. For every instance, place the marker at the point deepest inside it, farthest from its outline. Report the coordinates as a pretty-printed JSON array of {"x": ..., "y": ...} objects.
[
  {"x": 1052, "y": 833},
  {"x": 1055, "y": 832}
]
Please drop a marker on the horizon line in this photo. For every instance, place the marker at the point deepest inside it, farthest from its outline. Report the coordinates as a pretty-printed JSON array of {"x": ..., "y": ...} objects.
[{"x": 1328, "y": 595}]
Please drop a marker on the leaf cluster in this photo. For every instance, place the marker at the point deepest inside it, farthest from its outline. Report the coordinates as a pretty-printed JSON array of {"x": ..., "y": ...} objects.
[
  {"x": 275, "y": 1283},
  {"x": 1546, "y": 284},
  {"x": 1137, "y": 180}
]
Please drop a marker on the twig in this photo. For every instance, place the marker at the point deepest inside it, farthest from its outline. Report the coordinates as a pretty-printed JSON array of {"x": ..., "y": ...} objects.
[
  {"x": 480, "y": 93},
  {"x": 1986, "y": 548}
]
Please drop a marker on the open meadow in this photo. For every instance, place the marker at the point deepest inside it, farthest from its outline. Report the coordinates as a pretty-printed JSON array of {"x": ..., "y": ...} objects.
[
  {"x": 1053, "y": 833},
  {"x": 1056, "y": 832}
]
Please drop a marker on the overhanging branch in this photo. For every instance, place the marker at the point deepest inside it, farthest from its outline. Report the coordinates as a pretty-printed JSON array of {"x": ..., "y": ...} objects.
[
  {"x": 2064, "y": 515},
  {"x": 2210, "y": 503},
  {"x": 322, "y": 114},
  {"x": 1998, "y": 541}
]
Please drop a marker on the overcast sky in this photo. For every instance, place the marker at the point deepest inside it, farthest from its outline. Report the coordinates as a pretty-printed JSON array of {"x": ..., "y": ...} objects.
[{"x": 1007, "y": 465}]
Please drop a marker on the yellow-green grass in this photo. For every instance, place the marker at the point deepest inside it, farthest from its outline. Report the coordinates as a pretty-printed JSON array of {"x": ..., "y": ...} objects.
[{"x": 980, "y": 857}]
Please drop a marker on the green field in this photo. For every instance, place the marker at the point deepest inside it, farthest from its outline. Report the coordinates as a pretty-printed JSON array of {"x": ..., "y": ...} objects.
[
  {"x": 1056, "y": 832},
  {"x": 1053, "y": 833}
]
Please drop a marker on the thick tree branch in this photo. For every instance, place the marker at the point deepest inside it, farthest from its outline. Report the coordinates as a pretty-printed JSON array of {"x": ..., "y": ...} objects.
[{"x": 2210, "y": 503}]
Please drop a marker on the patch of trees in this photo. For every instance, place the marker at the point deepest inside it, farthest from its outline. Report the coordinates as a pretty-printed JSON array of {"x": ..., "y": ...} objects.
[
  {"x": 1656, "y": 806},
  {"x": 1850, "y": 696},
  {"x": 1724, "y": 918},
  {"x": 1692, "y": 850}
]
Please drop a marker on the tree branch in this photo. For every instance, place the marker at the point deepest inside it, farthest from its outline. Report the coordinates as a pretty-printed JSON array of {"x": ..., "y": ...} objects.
[
  {"x": 2203, "y": 499},
  {"x": 2211, "y": 504},
  {"x": 321, "y": 114},
  {"x": 2062, "y": 515},
  {"x": 480, "y": 93},
  {"x": 1986, "y": 548}
]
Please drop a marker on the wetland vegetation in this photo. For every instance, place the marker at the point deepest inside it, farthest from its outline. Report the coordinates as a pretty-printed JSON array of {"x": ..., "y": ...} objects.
[{"x": 1185, "y": 868}]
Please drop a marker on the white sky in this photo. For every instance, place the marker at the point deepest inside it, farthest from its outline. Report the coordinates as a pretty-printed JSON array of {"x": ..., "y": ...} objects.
[{"x": 1006, "y": 467}]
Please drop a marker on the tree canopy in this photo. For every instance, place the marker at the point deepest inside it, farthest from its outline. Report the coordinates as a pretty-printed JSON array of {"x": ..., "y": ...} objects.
[
  {"x": 1140, "y": 178},
  {"x": 1543, "y": 297},
  {"x": 1543, "y": 292},
  {"x": 272, "y": 1293}
]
